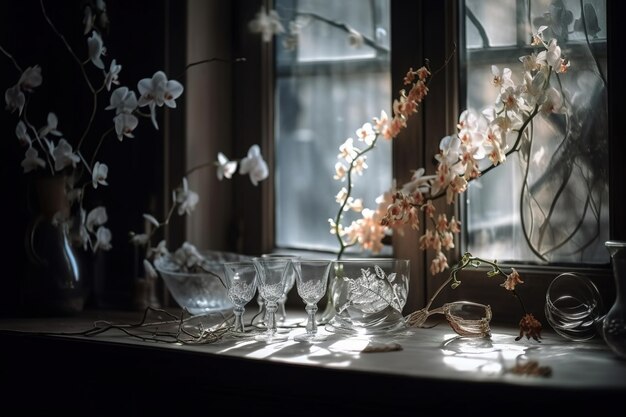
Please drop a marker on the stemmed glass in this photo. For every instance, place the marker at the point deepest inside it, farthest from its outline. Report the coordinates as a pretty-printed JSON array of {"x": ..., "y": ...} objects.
[
  {"x": 241, "y": 279},
  {"x": 272, "y": 275},
  {"x": 290, "y": 281},
  {"x": 311, "y": 282}
]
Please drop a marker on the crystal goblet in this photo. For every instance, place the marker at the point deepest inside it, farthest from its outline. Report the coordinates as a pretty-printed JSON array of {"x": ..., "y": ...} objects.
[
  {"x": 311, "y": 283},
  {"x": 290, "y": 282},
  {"x": 241, "y": 279},
  {"x": 272, "y": 276}
]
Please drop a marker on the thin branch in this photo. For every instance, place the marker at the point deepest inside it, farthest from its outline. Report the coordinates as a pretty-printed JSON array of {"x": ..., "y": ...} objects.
[
  {"x": 479, "y": 27},
  {"x": 340, "y": 25},
  {"x": 206, "y": 61},
  {"x": 15, "y": 64}
]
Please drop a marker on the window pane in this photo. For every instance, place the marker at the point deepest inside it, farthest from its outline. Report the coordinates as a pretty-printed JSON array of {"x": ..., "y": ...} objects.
[
  {"x": 548, "y": 202},
  {"x": 326, "y": 90}
]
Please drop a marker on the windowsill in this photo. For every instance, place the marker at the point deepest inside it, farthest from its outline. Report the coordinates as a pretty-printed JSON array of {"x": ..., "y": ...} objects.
[{"x": 434, "y": 370}]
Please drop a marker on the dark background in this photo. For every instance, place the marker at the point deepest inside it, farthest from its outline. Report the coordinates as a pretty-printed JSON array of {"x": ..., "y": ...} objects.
[{"x": 136, "y": 39}]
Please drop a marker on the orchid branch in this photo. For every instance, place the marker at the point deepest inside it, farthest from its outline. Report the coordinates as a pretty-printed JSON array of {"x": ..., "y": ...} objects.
[{"x": 8, "y": 55}]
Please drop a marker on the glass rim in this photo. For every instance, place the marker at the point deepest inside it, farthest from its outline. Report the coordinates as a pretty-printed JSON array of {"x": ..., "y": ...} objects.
[{"x": 371, "y": 260}]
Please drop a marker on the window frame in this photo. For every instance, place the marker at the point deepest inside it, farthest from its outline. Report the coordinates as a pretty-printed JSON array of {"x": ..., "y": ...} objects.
[{"x": 420, "y": 30}]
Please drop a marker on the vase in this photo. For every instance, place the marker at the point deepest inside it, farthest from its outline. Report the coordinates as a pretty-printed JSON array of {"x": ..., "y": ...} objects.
[
  {"x": 614, "y": 325},
  {"x": 368, "y": 295},
  {"x": 53, "y": 283}
]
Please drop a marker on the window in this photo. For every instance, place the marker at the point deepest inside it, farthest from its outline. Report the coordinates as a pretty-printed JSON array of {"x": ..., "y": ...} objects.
[
  {"x": 548, "y": 202},
  {"x": 415, "y": 31},
  {"x": 325, "y": 89}
]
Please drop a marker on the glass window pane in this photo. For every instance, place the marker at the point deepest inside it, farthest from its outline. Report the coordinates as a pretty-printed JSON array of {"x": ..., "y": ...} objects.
[
  {"x": 549, "y": 201},
  {"x": 326, "y": 90},
  {"x": 490, "y": 23}
]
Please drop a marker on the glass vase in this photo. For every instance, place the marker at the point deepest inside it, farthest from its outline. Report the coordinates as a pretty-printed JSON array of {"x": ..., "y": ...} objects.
[
  {"x": 614, "y": 325},
  {"x": 53, "y": 283}
]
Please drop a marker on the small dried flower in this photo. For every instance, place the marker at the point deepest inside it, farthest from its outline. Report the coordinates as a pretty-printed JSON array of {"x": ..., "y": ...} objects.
[
  {"x": 529, "y": 326},
  {"x": 512, "y": 280}
]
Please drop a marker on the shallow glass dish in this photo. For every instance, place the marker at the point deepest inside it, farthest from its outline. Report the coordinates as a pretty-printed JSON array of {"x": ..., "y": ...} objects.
[{"x": 199, "y": 292}]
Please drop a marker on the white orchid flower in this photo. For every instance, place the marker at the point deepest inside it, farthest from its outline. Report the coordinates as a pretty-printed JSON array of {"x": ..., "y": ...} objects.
[
  {"x": 111, "y": 77},
  {"x": 157, "y": 91},
  {"x": 149, "y": 270},
  {"x": 553, "y": 55},
  {"x": 151, "y": 219},
  {"x": 366, "y": 134},
  {"x": 15, "y": 99},
  {"x": 51, "y": 126},
  {"x": 88, "y": 20},
  {"x": 31, "y": 78},
  {"x": 186, "y": 199},
  {"x": 96, "y": 217},
  {"x": 22, "y": 134},
  {"x": 254, "y": 165},
  {"x": 225, "y": 168},
  {"x": 266, "y": 24},
  {"x": 139, "y": 239},
  {"x": 96, "y": 49},
  {"x": 99, "y": 174},
  {"x": 419, "y": 182},
  {"x": 553, "y": 102},
  {"x": 124, "y": 125},
  {"x": 103, "y": 239},
  {"x": 122, "y": 100},
  {"x": 159, "y": 250},
  {"x": 501, "y": 79},
  {"x": 83, "y": 235},
  {"x": 63, "y": 156},
  {"x": 32, "y": 161},
  {"x": 188, "y": 256}
]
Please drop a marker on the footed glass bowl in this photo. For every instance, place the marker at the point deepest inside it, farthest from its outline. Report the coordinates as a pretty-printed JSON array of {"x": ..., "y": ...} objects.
[
  {"x": 201, "y": 292},
  {"x": 368, "y": 295}
]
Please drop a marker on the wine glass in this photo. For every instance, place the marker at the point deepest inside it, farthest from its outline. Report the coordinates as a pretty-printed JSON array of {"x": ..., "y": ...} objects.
[
  {"x": 241, "y": 279},
  {"x": 311, "y": 282},
  {"x": 290, "y": 282},
  {"x": 272, "y": 277}
]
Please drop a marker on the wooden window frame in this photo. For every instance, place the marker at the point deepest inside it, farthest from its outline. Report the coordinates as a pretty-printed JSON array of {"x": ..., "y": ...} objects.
[{"x": 420, "y": 30}]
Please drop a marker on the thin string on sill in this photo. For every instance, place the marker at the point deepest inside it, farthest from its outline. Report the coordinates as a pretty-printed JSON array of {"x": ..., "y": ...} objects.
[{"x": 165, "y": 328}]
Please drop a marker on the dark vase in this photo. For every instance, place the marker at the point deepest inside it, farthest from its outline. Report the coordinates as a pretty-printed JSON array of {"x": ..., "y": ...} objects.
[{"x": 53, "y": 282}]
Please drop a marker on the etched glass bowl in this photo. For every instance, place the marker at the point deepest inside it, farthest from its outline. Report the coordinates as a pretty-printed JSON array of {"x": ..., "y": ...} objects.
[
  {"x": 368, "y": 295},
  {"x": 199, "y": 292}
]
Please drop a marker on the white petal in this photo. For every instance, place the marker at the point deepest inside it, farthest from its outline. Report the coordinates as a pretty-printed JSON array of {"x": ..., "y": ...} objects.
[{"x": 151, "y": 219}]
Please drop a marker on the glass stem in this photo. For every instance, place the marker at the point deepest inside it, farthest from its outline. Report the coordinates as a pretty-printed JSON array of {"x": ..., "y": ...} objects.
[
  {"x": 311, "y": 324},
  {"x": 271, "y": 308},
  {"x": 260, "y": 302},
  {"x": 239, "y": 326},
  {"x": 283, "y": 312}
]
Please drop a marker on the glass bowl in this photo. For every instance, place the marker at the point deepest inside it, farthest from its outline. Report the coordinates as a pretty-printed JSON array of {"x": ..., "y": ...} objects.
[
  {"x": 199, "y": 292},
  {"x": 368, "y": 295}
]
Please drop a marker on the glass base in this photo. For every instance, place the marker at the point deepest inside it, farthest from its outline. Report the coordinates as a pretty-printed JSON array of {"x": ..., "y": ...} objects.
[
  {"x": 310, "y": 338},
  {"x": 271, "y": 338},
  {"x": 345, "y": 327}
]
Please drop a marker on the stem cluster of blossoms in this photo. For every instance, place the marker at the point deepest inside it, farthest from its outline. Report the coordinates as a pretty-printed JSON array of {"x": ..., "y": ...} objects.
[
  {"x": 484, "y": 135},
  {"x": 64, "y": 156},
  {"x": 369, "y": 230}
]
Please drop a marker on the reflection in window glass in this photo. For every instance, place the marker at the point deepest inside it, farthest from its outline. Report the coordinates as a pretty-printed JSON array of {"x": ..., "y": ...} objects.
[
  {"x": 326, "y": 89},
  {"x": 548, "y": 202}
]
